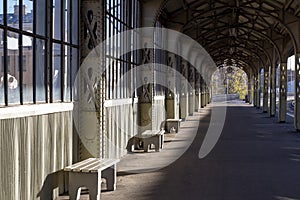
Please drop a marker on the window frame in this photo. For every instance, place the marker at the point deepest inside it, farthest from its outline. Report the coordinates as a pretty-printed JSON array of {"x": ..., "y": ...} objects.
[{"x": 48, "y": 40}]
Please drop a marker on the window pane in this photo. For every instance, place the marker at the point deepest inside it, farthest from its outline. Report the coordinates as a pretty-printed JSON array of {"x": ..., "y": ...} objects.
[
  {"x": 74, "y": 64},
  {"x": 40, "y": 17},
  {"x": 67, "y": 74},
  {"x": 28, "y": 15},
  {"x": 13, "y": 68},
  {"x": 67, "y": 21},
  {"x": 1, "y": 12},
  {"x": 74, "y": 68},
  {"x": 57, "y": 19},
  {"x": 1, "y": 70},
  {"x": 56, "y": 73},
  {"x": 27, "y": 70},
  {"x": 13, "y": 14},
  {"x": 75, "y": 23},
  {"x": 40, "y": 70}
]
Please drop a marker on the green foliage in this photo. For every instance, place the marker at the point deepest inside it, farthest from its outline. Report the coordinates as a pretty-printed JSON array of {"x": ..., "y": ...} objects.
[{"x": 236, "y": 82}]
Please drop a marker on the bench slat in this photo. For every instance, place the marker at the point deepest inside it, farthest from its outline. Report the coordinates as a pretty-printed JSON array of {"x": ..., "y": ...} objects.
[
  {"x": 103, "y": 166},
  {"x": 92, "y": 165},
  {"x": 87, "y": 166},
  {"x": 149, "y": 133},
  {"x": 76, "y": 165},
  {"x": 100, "y": 165},
  {"x": 174, "y": 120}
]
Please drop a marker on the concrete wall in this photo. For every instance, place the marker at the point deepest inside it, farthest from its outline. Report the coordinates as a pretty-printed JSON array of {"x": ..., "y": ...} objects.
[
  {"x": 121, "y": 124},
  {"x": 32, "y": 151},
  {"x": 158, "y": 112}
]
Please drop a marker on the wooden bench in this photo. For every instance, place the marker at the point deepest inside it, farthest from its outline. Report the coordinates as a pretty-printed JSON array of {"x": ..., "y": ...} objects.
[
  {"x": 88, "y": 173},
  {"x": 172, "y": 123},
  {"x": 147, "y": 138}
]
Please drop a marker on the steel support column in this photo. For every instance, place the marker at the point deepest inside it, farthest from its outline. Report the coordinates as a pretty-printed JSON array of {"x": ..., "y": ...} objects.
[
  {"x": 171, "y": 93},
  {"x": 273, "y": 89},
  {"x": 207, "y": 95},
  {"x": 202, "y": 90},
  {"x": 297, "y": 93},
  {"x": 96, "y": 125},
  {"x": 282, "y": 93},
  {"x": 197, "y": 92},
  {"x": 191, "y": 90},
  {"x": 258, "y": 90},
  {"x": 184, "y": 90},
  {"x": 266, "y": 90},
  {"x": 250, "y": 93},
  {"x": 255, "y": 92}
]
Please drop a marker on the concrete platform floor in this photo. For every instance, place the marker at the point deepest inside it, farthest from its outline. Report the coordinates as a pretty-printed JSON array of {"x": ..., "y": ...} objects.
[{"x": 256, "y": 158}]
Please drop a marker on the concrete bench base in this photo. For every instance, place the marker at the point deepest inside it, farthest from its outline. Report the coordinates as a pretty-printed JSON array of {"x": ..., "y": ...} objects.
[
  {"x": 146, "y": 139},
  {"x": 172, "y": 124},
  {"x": 88, "y": 173}
]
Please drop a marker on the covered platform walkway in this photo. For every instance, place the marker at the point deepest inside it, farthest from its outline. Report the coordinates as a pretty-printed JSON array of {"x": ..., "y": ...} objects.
[
  {"x": 255, "y": 158},
  {"x": 83, "y": 79}
]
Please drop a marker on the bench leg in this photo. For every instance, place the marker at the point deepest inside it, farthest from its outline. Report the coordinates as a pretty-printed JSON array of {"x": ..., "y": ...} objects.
[
  {"x": 157, "y": 143},
  {"x": 152, "y": 140},
  {"x": 110, "y": 174},
  {"x": 74, "y": 192},
  {"x": 94, "y": 195},
  {"x": 90, "y": 180},
  {"x": 161, "y": 140},
  {"x": 146, "y": 144}
]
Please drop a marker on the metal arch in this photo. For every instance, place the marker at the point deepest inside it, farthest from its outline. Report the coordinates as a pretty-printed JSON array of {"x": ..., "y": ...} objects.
[
  {"x": 269, "y": 3},
  {"x": 264, "y": 51},
  {"x": 159, "y": 11},
  {"x": 253, "y": 9},
  {"x": 246, "y": 51},
  {"x": 253, "y": 43},
  {"x": 224, "y": 47},
  {"x": 199, "y": 16},
  {"x": 242, "y": 24},
  {"x": 266, "y": 37},
  {"x": 246, "y": 66},
  {"x": 239, "y": 59}
]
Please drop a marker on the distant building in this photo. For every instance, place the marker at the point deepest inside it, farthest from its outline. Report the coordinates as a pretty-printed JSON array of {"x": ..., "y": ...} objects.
[{"x": 13, "y": 68}]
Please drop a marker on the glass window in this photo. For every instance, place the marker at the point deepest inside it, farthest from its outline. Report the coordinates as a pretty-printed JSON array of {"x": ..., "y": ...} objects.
[
  {"x": 40, "y": 18},
  {"x": 74, "y": 64},
  {"x": 38, "y": 47},
  {"x": 27, "y": 69},
  {"x": 1, "y": 12},
  {"x": 40, "y": 70},
  {"x": 67, "y": 20},
  {"x": 75, "y": 15},
  {"x": 28, "y": 15},
  {"x": 13, "y": 68},
  {"x": 120, "y": 16},
  {"x": 56, "y": 72},
  {"x": 57, "y": 19},
  {"x": 1, "y": 72},
  {"x": 13, "y": 14},
  {"x": 67, "y": 74}
]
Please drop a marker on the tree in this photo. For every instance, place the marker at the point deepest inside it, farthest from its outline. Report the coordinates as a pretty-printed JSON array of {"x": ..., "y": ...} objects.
[{"x": 232, "y": 79}]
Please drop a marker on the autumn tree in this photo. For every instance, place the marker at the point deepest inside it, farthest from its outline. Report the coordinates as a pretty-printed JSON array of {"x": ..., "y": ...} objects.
[{"x": 231, "y": 80}]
